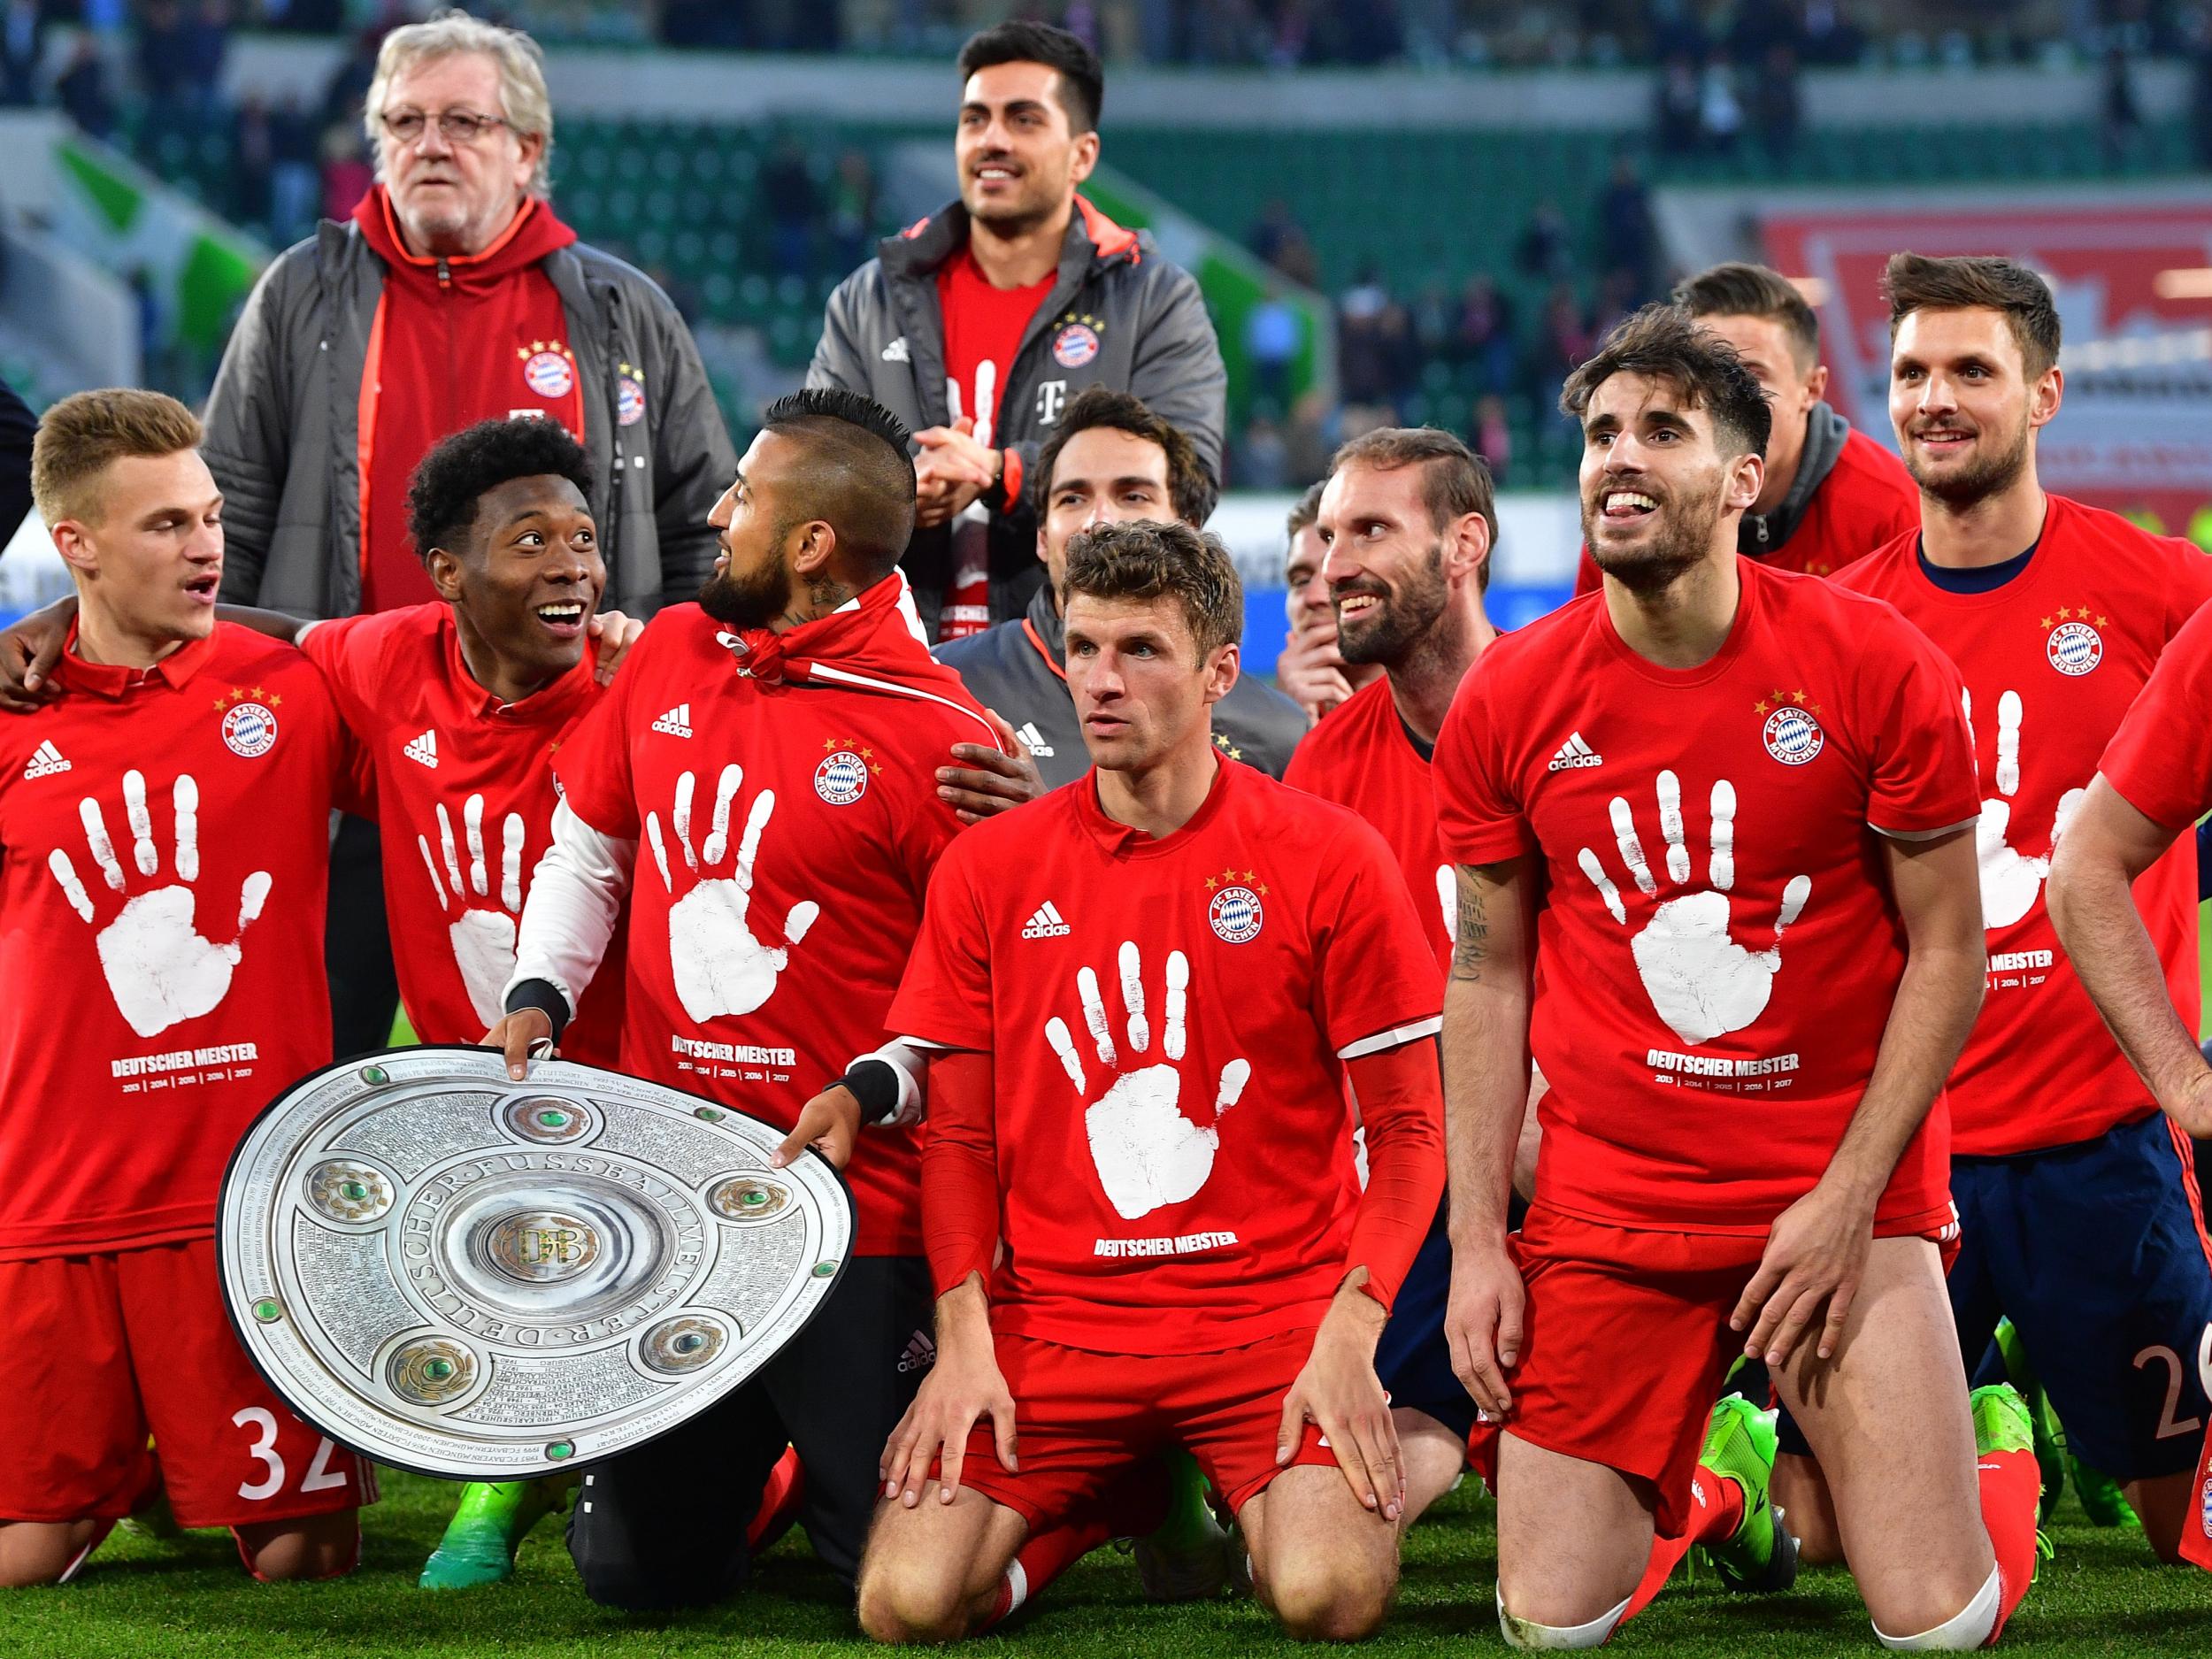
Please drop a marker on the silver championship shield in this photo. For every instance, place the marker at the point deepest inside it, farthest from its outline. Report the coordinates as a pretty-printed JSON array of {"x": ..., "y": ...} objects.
[{"x": 465, "y": 1276}]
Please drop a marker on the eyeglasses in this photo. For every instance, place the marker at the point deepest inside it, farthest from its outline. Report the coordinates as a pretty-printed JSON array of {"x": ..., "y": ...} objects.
[{"x": 456, "y": 127}]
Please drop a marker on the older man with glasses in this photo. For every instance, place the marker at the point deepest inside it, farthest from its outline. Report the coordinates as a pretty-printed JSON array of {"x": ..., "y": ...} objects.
[{"x": 454, "y": 295}]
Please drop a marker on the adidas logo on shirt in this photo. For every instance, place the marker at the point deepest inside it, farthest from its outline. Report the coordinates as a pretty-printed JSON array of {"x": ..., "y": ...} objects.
[
  {"x": 896, "y": 351},
  {"x": 424, "y": 748},
  {"x": 1030, "y": 735},
  {"x": 1573, "y": 753},
  {"x": 921, "y": 1354},
  {"x": 1045, "y": 923},
  {"x": 45, "y": 763},
  {"x": 676, "y": 722}
]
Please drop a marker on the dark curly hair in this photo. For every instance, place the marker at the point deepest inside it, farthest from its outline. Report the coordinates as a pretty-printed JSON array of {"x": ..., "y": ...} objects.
[
  {"x": 1191, "y": 488},
  {"x": 460, "y": 470},
  {"x": 1143, "y": 560},
  {"x": 1664, "y": 343}
]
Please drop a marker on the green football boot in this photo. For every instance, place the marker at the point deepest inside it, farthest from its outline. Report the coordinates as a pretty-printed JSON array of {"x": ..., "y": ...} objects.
[
  {"x": 2101, "y": 1500},
  {"x": 2050, "y": 1433},
  {"x": 488, "y": 1527},
  {"x": 1186, "y": 1558},
  {"x": 1761, "y": 1556},
  {"x": 2002, "y": 1423}
]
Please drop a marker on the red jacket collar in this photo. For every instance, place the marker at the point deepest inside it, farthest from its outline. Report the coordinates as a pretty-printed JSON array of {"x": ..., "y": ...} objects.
[{"x": 533, "y": 233}]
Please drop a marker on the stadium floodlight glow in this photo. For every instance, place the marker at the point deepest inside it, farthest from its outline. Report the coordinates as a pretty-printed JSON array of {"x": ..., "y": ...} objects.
[{"x": 2186, "y": 282}]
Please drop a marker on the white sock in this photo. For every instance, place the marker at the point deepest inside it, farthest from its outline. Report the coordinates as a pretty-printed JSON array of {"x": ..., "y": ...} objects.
[
  {"x": 1529, "y": 1637},
  {"x": 1016, "y": 1586},
  {"x": 1967, "y": 1629}
]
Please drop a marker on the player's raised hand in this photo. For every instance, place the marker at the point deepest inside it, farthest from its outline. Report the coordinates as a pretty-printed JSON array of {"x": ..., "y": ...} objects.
[
  {"x": 990, "y": 780},
  {"x": 829, "y": 1123},
  {"x": 28, "y": 652},
  {"x": 1310, "y": 669},
  {"x": 1814, "y": 1259},
  {"x": 612, "y": 635},
  {"x": 1483, "y": 1323},
  {"x": 524, "y": 1035},
  {"x": 1339, "y": 1392},
  {"x": 964, "y": 1385}
]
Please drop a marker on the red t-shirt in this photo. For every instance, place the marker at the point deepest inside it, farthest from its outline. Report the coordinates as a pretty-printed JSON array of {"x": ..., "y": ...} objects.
[
  {"x": 2157, "y": 760},
  {"x": 2052, "y": 660},
  {"x": 787, "y": 831},
  {"x": 466, "y": 796},
  {"x": 983, "y": 327},
  {"x": 1681, "y": 817},
  {"x": 1867, "y": 499},
  {"x": 1362, "y": 757},
  {"x": 165, "y": 849},
  {"x": 1168, "y": 1021}
]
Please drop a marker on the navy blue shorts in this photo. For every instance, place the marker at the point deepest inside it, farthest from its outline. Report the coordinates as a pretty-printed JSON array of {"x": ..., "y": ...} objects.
[
  {"x": 2096, "y": 1253},
  {"x": 1413, "y": 1359}
]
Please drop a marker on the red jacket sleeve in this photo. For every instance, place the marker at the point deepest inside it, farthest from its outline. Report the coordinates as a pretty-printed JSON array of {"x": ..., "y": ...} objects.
[
  {"x": 1402, "y": 1101},
  {"x": 960, "y": 1197}
]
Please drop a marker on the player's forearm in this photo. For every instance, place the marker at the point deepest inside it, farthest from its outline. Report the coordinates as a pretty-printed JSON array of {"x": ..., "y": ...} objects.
[
  {"x": 2092, "y": 906},
  {"x": 1938, "y": 997},
  {"x": 964, "y": 1316},
  {"x": 575, "y": 901},
  {"x": 275, "y": 623},
  {"x": 1400, "y": 1099},
  {"x": 960, "y": 1197},
  {"x": 1486, "y": 1095}
]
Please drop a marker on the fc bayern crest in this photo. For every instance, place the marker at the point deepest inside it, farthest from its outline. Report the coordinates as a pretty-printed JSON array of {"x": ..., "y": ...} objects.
[
  {"x": 1793, "y": 736},
  {"x": 841, "y": 779},
  {"x": 1075, "y": 345},
  {"x": 2204, "y": 1509},
  {"x": 1235, "y": 915},
  {"x": 629, "y": 401},
  {"x": 249, "y": 730},
  {"x": 2075, "y": 648},
  {"x": 549, "y": 373}
]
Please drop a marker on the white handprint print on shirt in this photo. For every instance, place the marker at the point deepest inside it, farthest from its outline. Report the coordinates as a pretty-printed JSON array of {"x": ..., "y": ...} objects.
[
  {"x": 2010, "y": 880},
  {"x": 719, "y": 967},
  {"x": 483, "y": 937},
  {"x": 158, "y": 968},
  {"x": 1146, "y": 1153},
  {"x": 1703, "y": 983}
]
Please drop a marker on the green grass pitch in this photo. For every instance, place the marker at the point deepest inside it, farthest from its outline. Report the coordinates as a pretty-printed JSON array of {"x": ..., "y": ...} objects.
[{"x": 189, "y": 1598}]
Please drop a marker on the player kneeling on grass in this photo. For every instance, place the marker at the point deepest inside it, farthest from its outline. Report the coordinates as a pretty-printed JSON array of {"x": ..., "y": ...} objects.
[
  {"x": 165, "y": 844},
  {"x": 459, "y": 704},
  {"x": 1147, "y": 1030},
  {"x": 1762, "y": 953}
]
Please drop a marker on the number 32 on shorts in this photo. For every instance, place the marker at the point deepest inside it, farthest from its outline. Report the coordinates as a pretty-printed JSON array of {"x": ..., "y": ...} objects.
[{"x": 320, "y": 1476}]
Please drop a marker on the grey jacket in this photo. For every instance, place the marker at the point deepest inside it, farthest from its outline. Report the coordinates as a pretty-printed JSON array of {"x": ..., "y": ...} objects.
[
  {"x": 1119, "y": 315},
  {"x": 283, "y": 429},
  {"x": 1014, "y": 669}
]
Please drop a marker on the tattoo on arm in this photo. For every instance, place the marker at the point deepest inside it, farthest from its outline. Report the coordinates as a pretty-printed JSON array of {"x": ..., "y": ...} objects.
[{"x": 1470, "y": 940}]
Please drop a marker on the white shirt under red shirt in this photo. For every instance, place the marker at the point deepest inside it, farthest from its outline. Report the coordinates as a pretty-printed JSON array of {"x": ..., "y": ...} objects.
[
  {"x": 1169, "y": 1020},
  {"x": 465, "y": 792},
  {"x": 1702, "y": 1068},
  {"x": 165, "y": 849},
  {"x": 786, "y": 822},
  {"x": 2052, "y": 660},
  {"x": 1363, "y": 757}
]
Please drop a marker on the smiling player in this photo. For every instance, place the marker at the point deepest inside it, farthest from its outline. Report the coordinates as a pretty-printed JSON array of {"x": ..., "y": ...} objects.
[
  {"x": 1746, "y": 796},
  {"x": 2077, "y": 1200}
]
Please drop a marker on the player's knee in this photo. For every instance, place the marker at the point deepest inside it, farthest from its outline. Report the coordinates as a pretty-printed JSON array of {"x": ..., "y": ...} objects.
[
  {"x": 1335, "y": 1603},
  {"x": 905, "y": 1602},
  {"x": 326, "y": 1547},
  {"x": 30, "y": 1572}
]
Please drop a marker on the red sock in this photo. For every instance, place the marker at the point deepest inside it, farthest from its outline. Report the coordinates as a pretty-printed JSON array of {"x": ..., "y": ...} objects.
[
  {"x": 1716, "y": 1512},
  {"x": 2196, "y": 1541},
  {"x": 778, "y": 1502},
  {"x": 2010, "y": 1483},
  {"x": 1135, "y": 1504}
]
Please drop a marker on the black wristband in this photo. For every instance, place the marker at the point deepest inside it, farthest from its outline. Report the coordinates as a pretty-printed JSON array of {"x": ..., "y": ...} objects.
[
  {"x": 875, "y": 1084},
  {"x": 546, "y": 997}
]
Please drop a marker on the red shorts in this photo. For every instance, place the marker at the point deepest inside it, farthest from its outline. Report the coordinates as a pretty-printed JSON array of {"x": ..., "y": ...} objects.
[
  {"x": 1084, "y": 1418},
  {"x": 99, "y": 1352},
  {"x": 1624, "y": 1339}
]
